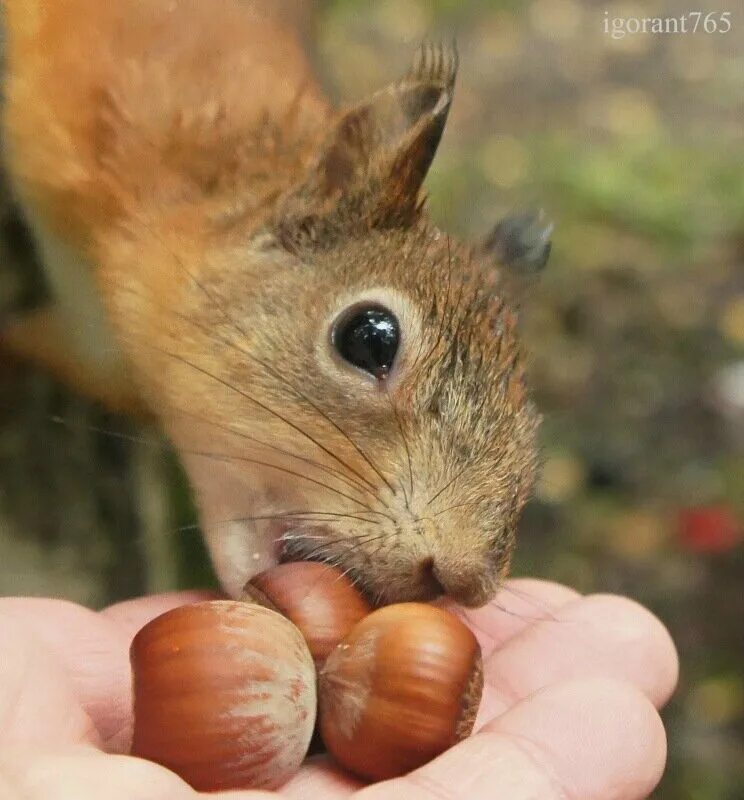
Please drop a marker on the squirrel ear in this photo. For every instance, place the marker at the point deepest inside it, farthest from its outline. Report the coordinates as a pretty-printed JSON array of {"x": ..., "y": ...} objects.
[
  {"x": 373, "y": 163},
  {"x": 521, "y": 245}
]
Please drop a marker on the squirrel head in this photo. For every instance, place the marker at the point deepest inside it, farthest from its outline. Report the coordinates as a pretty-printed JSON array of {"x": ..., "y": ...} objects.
[{"x": 352, "y": 391}]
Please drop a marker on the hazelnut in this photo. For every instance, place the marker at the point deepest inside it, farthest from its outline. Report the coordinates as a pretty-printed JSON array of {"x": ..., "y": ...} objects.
[
  {"x": 224, "y": 695},
  {"x": 319, "y": 599},
  {"x": 404, "y": 686}
]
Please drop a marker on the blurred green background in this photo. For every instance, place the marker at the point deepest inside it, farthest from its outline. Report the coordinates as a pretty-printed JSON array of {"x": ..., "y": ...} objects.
[{"x": 635, "y": 147}]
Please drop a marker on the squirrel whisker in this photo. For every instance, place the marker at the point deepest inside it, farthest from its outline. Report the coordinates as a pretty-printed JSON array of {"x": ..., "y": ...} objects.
[
  {"x": 446, "y": 486},
  {"x": 263, "y": 406},
  {"x": 408, "y": 498},
  {"x": 231, "y": 321},
  {"x": 217, "y": 457},
  {"x": 243, "y": 352}
]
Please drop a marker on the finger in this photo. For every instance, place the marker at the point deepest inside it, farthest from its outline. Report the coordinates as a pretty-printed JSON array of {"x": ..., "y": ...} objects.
[
  {"x": 93, "y": 654},
  {"x": 38, "y": 703},
  {"x": 320, "y": 777},
  {"x": 601, "y": 635},
  {"x": 520, "y": 603},
  {"x": 131, "y": 615},
  {"x": 93, "y": 650},
  {"x": 582, "y": 739},
  {"x": 74, "y": 773}
]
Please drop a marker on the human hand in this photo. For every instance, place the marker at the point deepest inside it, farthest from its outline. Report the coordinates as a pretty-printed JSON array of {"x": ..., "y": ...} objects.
[{"x": 568, "y": 708}]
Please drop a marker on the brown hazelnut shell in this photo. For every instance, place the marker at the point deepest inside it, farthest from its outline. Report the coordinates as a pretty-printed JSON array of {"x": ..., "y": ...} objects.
[
  {"x": 404, "y": 686},
  {"x": 319, "y": 599},
  {"x": 224, "y": 695}
]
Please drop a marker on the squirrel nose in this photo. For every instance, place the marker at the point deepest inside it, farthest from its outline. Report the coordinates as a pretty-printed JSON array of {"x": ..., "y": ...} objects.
[
  {"x": 465, "y": 588},
  {"x": 430, "y": 578}
]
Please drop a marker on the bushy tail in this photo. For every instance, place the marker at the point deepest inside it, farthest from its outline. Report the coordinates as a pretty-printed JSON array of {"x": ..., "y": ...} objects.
[{"x": 112, "y": 101}]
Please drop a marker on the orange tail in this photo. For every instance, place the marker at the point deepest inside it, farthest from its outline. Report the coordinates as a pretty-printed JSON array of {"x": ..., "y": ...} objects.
[{"x": 142, "y": 100}]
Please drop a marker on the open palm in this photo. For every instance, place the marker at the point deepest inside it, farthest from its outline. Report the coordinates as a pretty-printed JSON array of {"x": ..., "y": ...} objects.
[{"x": 569, "y": 707}]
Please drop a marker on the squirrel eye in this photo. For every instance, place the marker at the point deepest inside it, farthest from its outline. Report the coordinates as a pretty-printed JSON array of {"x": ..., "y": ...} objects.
[{"x": 368, "y": 338}]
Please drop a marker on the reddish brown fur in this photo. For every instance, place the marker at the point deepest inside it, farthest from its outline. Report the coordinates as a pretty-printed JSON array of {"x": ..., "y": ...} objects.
[
  {"x": 145, "y": 102},
  {"x": 183, "y": 149}
]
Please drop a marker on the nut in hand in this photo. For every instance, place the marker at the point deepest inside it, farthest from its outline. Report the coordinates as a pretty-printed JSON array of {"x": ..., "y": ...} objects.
[
  {"x": 224, "y": 695},
  {"x": 404, "y": 686},
  {"x": 319, "y": 599}
]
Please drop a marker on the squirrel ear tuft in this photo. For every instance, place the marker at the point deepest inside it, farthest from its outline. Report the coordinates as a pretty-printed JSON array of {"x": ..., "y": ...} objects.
[
  {"x": 372, "y": 165},
  {"x": 520, "y": 244}
]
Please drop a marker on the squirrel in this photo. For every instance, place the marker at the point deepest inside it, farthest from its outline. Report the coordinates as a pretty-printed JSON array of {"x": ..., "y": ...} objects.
[{"x": 342, "y": 380}]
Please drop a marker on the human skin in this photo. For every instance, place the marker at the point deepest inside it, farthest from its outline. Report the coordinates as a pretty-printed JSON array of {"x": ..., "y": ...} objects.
[{"x": 572, "y": 688}]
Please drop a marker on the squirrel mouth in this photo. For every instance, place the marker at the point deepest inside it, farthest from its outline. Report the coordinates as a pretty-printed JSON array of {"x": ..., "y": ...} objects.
[
  {"x": 317, "y": 542},
  {"x": 314, "y": 542},
  {"x": 303, "y": 542}
]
